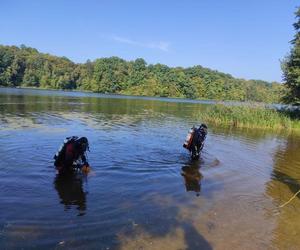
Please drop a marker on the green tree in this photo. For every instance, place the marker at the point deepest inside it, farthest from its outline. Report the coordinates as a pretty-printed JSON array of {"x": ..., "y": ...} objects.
[
  {"x": 137, "y": 72},
  {"x": 291, "y": 67}
]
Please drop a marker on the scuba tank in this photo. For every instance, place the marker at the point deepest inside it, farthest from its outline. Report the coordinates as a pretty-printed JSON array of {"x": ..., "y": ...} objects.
[
  {"x": 57, "y": 157},
  {"x": 189, "y": 138},
  {"x": 194, "y": 141}
]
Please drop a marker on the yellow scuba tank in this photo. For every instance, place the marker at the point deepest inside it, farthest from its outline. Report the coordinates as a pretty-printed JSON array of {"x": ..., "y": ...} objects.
[{"x": 189, "y": 138}]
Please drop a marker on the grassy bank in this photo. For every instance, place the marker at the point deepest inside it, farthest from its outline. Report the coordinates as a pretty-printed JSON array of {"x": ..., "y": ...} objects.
[{"x": 249, "y": 117}]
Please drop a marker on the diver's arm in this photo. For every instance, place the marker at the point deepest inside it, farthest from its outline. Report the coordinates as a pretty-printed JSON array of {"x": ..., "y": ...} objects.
[{"x": 84, "y": 160}]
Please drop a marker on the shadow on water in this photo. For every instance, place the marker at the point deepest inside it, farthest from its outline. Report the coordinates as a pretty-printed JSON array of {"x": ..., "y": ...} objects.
[
  {"x": 289, "y": 181},
  {"x": 286, "y": 168},
  {"x": 284, "y": 183},
  {"x": 169, "y": 227},
  {"x": 193, "y": 239},
  {"x": 71, "y": 193},
  {"x": 171, "y": 232}
]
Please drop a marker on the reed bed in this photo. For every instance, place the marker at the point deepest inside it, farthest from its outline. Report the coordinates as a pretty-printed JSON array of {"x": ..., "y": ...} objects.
[{"x": 257, "y": 116}]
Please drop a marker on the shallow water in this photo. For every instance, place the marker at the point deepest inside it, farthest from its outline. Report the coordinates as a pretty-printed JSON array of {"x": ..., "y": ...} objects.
[{"x": 143, "y": 191}]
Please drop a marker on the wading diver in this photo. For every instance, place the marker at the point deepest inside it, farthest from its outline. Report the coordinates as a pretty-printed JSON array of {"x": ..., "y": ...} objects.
[
  {"x": 72, "y": 155},
  {"x": 194, "y": 141}
]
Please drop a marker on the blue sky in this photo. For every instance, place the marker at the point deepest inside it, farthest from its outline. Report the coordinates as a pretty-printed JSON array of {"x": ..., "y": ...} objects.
[{"x": 244, "y": 38}]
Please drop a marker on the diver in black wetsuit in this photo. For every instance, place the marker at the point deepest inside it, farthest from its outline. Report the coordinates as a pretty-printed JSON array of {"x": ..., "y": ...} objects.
[
  {"x": 72, "y": 155},
  {"x": 195, "y": 140}
]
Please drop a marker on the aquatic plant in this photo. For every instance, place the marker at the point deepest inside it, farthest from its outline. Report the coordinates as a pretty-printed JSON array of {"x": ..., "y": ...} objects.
[{"x": 256, "y": 116}]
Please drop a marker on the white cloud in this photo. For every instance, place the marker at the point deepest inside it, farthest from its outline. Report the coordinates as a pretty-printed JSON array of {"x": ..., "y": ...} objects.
[{"x": 163, "y": 46}]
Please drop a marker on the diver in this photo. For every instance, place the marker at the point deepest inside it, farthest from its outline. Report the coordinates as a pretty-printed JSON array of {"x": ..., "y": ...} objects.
[
  {"x": 72, "y": 155},
  {"x": 194, "y": 141}
]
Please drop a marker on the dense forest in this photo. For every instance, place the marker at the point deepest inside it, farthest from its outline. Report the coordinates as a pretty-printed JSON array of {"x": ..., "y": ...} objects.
[
  {"x": 291, "y": 67},
  {"x": 27, "y": 67}
]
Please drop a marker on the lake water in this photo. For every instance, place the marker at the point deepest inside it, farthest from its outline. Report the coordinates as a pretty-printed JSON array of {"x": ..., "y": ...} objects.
[{"x": 135, "y": 196}]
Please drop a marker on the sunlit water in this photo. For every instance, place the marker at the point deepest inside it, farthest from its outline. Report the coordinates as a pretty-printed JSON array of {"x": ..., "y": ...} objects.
[{"x": 136, "y": 196}]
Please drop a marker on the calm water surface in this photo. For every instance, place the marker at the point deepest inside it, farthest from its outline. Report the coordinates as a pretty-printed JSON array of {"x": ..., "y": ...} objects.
[{"x": 136, "y": 197}]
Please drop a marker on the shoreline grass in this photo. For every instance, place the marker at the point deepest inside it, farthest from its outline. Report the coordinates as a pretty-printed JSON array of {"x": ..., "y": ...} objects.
[{"x": 258, "y": 117}]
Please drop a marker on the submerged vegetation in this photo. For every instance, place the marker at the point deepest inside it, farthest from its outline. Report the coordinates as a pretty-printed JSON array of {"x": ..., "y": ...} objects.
[
  {"x": 27, "y": 67},
  {"x": 250, "y": 117}
]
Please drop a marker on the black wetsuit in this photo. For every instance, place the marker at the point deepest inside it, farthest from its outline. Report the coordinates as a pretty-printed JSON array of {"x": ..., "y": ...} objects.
[
  {"x": 198, "y": 141},
  {"x": 72, "y": 152}
]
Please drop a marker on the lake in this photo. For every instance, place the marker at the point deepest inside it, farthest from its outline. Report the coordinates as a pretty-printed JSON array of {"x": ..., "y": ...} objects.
[{"x": 136, "y": 197}]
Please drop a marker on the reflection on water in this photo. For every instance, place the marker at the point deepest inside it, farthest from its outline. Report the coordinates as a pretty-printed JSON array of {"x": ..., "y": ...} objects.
[
  {"x": 192, "y": 178},
  {"x": 136, "y": 198},
  {"x": 70, "y": 191}
]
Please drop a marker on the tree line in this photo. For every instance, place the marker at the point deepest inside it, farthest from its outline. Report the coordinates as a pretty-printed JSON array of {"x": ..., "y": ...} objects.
[
  {"x": 291, "y": 67},
  {"x": 27, "y": 67}
]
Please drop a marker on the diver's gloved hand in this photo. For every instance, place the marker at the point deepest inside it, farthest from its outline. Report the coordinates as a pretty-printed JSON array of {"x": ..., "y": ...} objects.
[{"x": 86, "y": 168}]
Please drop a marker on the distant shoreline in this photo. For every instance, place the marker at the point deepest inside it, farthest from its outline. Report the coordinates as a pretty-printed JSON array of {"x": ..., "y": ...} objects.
[
  {"x": 26, "y": 66},
  {"x": 229, "y": 114},
  {"x": 179, "y": 99},
  {"x": 208, "y": 101}
]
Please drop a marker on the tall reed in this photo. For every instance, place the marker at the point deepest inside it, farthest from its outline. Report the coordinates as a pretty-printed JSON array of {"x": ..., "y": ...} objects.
[{"x": 249, "y": 117}]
